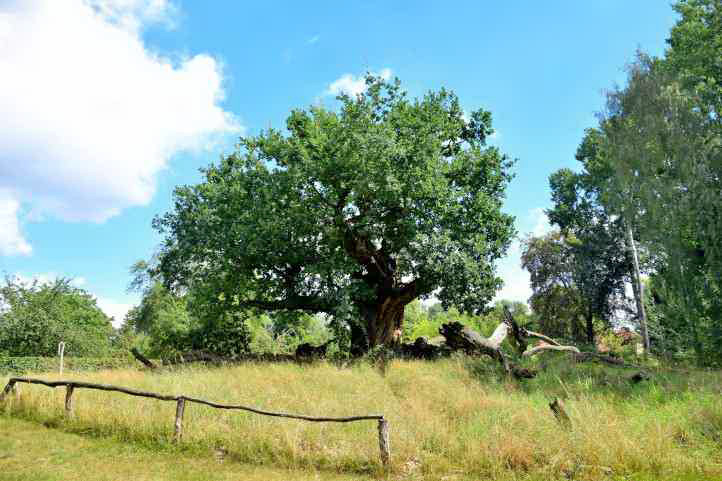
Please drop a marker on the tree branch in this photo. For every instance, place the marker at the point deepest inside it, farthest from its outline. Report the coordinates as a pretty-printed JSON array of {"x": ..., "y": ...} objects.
[
  {"x": 549, "y": 347},
  {"x": 300, "y": 303}
]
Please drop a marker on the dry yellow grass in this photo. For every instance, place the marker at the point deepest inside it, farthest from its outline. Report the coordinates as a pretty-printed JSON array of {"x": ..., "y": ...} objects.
[{"x": 449, "y": 418}]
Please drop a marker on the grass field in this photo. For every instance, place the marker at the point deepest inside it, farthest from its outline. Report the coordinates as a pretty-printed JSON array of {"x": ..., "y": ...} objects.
[
  {"x": 33, "y": 452},
  {"x": 453, "y": 419}
]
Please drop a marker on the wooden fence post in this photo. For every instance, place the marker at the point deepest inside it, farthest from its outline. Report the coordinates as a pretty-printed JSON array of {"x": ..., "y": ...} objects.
[
  {"x": 13, "y": 383},
  {"x": 69, "y": 388},
  {"x": 179, "y": 419},
  {"x": 560, "y": 413},
  {"x": 384, "y": 442},
  {"x": 61, "y": 353},
  {"x": 10, "y": 387}
]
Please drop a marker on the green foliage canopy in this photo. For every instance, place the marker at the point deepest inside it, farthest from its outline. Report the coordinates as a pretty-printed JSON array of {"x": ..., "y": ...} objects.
[
  {"x": 352, "y": 213},
  {"x": 35, "y": 317}
]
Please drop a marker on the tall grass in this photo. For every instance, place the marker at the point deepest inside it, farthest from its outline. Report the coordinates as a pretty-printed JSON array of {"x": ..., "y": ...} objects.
[{"x": 453, "y": 416}]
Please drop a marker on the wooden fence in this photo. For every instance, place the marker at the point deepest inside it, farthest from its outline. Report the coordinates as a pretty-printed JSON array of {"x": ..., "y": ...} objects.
[{"x": 70, "y": 386}]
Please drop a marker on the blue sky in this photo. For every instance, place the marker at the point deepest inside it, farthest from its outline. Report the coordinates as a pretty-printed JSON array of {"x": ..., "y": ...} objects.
[{"x": 106, "y": 105}]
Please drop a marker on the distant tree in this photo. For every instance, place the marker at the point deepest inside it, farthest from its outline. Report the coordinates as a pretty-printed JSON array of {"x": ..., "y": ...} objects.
[
  {"x": 35, "y": 317},
  {"x": 663, "y": 141},
  {"x": 594, "y": 235},
  {"x": 353, "y": 213},
  {"x": 695, "y": 46},
  {"x": 175, "y": 323},
  {"x": 556, "y": 300},
  {"x": 414, "y": 316},
  {"x": 435, "y": 309}
]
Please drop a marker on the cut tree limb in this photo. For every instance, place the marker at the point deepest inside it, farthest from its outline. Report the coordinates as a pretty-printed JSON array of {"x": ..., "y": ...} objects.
[
  {"x": 544, "y": 338},
  {"x": 549, "y": 347},
  {"x": 519, "y": 333},
  {"x": 147, "y": 362},
  {"x": 593, "y": 356},
  {"x": 459, "y": 336},
  {"x": 195, "y": 356}
]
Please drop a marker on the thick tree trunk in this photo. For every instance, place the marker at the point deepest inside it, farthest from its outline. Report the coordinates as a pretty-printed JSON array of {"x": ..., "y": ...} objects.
[
  {"x": 359, "y": 340},
  {"x": 638, "y": 289},
  {"x": 383, "y": 321}
]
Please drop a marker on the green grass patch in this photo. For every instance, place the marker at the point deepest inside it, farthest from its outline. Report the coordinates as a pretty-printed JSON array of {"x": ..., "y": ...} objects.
[{"x": 456, "y": 417}]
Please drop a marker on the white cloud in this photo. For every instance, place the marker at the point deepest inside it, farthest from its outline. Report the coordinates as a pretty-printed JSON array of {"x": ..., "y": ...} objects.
[
  {"x": 517, "y": 284},
  {"x": 88, "y": 114},
  {"x": 541, "y": 222},
  {"x": 353, "y": 85},
  {"x": 116, "y": 310},
  {"x": 12, "y": 241},
  {"x": 313, "y": 39}
]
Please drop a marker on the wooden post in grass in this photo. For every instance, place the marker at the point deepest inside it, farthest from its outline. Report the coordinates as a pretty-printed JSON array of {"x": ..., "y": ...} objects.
[
  {"x": 562, "y": 417},
  {"x": 384, "y": 442},
  {"x": 61, "y": 353},
  {"x": 69, "y": 399},
  {"x": 180, "y": 407},
  {"x": 9, "y": 387}
]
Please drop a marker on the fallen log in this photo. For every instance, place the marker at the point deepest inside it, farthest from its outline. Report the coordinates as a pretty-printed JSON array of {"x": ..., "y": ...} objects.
[
  {"x": 549, "y": 347},
  {"x": 523, "y": 372},
  {"x": 519, "y": 333},
  {"x": 421, "y": 349},
  {"x": 461, "y": 337},
  {"x": 593, "y": 356},
  {"x": 147, "y": 362},
  {"x": 639, "y": 377},
  {"x": 308, "y": 351},
  {"x": 196, "y": 356}
]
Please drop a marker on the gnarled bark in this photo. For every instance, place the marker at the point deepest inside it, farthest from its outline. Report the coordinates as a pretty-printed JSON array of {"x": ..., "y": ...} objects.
[{"x": 384, "y": 319}]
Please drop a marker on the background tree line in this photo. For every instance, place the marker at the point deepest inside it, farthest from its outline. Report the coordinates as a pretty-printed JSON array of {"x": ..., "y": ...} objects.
[
  {"x": 648, "y": 188},
  {"x": 338, "y": 226}
]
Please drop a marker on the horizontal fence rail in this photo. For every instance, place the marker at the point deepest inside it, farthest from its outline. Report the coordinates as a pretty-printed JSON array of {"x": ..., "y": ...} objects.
[{"x": 70, "y": 386}]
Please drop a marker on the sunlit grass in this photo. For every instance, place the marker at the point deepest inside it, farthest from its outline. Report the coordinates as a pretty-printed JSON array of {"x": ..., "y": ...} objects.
[{"x": 452, "y": 416}]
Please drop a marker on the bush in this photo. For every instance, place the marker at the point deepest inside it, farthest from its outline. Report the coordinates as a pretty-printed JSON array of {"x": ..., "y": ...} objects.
[
  {"x": 35, "y": 317},
  {"x": 25, "y": 364}
]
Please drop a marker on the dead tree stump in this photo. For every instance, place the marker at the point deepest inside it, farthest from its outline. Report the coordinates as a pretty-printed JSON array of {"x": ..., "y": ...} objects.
[{"x": 560, "y": 413}]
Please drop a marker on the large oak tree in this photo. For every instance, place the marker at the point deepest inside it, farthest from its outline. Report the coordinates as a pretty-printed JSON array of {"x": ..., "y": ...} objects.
[{"x": 354, "y": 213}]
